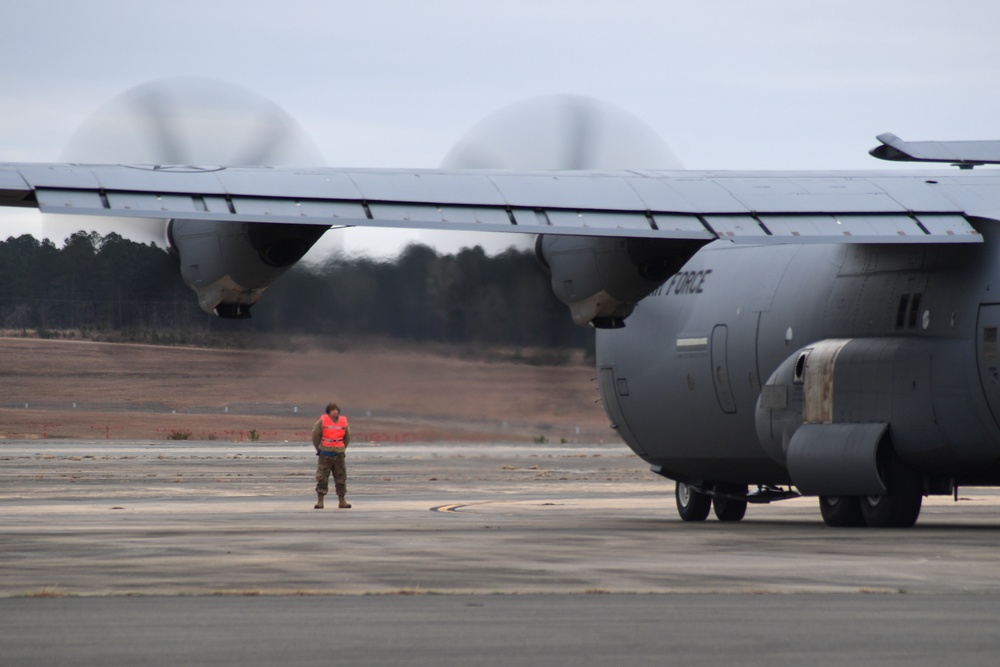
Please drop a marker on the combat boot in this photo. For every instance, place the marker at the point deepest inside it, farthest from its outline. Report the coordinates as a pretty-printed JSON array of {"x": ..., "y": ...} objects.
[
  {"x": 319, "y": 502},
  {"x": 344, "y": 505}
]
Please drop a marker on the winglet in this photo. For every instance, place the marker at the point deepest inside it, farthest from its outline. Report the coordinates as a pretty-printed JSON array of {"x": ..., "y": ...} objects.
[{"x": 964, "y": 154}]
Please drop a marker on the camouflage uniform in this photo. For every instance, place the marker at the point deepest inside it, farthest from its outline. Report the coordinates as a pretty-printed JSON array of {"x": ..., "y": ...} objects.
[{"x": 330, "y": 460}]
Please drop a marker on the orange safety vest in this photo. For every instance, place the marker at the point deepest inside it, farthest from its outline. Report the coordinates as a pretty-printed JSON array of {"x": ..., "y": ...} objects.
[{"x": 333, "y": 431}]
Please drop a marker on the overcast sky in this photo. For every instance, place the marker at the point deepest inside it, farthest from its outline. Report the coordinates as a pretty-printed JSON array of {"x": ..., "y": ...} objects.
[{"x": 728, "y": 84}]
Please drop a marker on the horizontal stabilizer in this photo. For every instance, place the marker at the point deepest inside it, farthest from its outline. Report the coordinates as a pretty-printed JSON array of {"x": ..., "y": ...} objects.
[{"x": 965, "y": 154}]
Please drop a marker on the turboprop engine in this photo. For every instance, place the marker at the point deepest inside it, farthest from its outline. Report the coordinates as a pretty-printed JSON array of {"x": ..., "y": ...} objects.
[
  {"x": 195, "y": 121},
  {"x": 601, "y": 279},
  {"x": 228, "y": 264}
]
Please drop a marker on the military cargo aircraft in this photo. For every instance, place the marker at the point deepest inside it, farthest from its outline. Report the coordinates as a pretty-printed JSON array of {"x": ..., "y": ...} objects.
[{"x": 759, "y": 335}]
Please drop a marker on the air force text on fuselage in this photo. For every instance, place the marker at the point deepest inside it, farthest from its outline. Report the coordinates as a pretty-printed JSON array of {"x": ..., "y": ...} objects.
[{"x": 685, "y": 282}]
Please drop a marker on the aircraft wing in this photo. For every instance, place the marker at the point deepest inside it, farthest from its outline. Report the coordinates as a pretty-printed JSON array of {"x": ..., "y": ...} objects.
[{"x": 744, "y": 207}]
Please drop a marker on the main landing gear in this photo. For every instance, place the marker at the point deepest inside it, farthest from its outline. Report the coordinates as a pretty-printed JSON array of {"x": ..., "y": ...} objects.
[{"x": 897, "y": 509}]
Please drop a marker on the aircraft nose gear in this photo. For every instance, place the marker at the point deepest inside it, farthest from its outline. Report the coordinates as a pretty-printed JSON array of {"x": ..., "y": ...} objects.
[
  {"x": 696, "y": 499},
  {"x": 692, "y": 505},
  {"x": 730, "y": 502}
]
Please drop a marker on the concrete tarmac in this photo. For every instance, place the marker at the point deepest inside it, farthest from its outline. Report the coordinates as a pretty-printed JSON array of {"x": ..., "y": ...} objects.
[
  {"x": 503, "y": 630},
  {"x": 210, "y": 553},
  {"x": 185, "y": 518}
]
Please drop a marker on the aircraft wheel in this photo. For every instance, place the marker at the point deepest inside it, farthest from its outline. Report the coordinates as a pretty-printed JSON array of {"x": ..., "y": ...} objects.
[
  {"x": 895, "y": 510},
  {"x": 692, "y": 505},
  {"x": 729, "y": 509},
  {"x": 841, "y": 511},
  {"x": 901, "y": 506}
]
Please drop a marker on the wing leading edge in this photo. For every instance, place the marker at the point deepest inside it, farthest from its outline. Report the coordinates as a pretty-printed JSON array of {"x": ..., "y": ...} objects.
[{"x": 866, "y": 207}]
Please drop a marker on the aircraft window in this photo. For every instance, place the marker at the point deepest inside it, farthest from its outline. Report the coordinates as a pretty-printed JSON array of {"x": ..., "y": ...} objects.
[
  {"x": 908, "y": 311},
  {"x": 989, "y": 342},
  {"x": 911, "y": 321},
  {"x": 904, "y": 301}
]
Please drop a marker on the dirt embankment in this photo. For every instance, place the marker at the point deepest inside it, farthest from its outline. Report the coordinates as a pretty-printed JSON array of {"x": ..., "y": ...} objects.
[{"x": 67, "y": 388}]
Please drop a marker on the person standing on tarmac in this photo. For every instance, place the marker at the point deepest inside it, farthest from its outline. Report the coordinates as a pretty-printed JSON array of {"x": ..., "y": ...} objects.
[{"x": 330, "y": 437}]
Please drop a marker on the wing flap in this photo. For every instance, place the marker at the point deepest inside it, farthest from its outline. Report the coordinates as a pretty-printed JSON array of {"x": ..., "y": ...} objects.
[
  {"x": 440, "y": 215},
  {"x": 886, "y": 228},
  {"x": 87, "y": 202}
]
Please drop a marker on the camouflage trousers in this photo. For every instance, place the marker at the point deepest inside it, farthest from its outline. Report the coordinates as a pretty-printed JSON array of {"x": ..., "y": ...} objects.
[{"x": 338, "y": 466}]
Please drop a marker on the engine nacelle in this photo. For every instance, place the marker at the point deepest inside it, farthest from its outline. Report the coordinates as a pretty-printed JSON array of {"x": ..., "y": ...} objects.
[
  {"x": 229, "y": 264},
  {"x": 601, "y": 279},
  {"x": 834, "y": 411}
]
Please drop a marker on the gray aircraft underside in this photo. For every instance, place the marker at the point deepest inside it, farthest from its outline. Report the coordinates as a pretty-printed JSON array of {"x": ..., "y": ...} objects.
[{"x": 835, "y": 332}]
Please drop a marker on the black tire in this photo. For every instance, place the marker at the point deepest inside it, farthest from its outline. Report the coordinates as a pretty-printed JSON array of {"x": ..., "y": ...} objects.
[
  {"x": 901, "y": 506},
  {"x": 895, "y": 510},
  {"x": 729, "y": 509},
  {"x": 841, "y": 511},
  {"x": 691, "y": 505}
]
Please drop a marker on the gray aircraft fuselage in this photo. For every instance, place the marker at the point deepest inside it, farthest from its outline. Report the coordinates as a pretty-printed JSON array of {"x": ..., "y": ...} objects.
[{"x": 682, "y": 380}]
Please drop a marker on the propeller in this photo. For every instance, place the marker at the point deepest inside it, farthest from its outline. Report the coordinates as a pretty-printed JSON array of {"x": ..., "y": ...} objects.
[
  {"x": 561, "y": 132},
  {"x": 551, "y": 132},
  {"x": 181, "y": 121}
]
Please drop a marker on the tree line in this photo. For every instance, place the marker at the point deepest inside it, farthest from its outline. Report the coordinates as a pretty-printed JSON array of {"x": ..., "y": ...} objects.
[{"x": 112, "y": 286}]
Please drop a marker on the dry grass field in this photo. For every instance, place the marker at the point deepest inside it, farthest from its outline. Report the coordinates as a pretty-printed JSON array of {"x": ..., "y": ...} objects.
[{"x": 83, "y": 389}]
